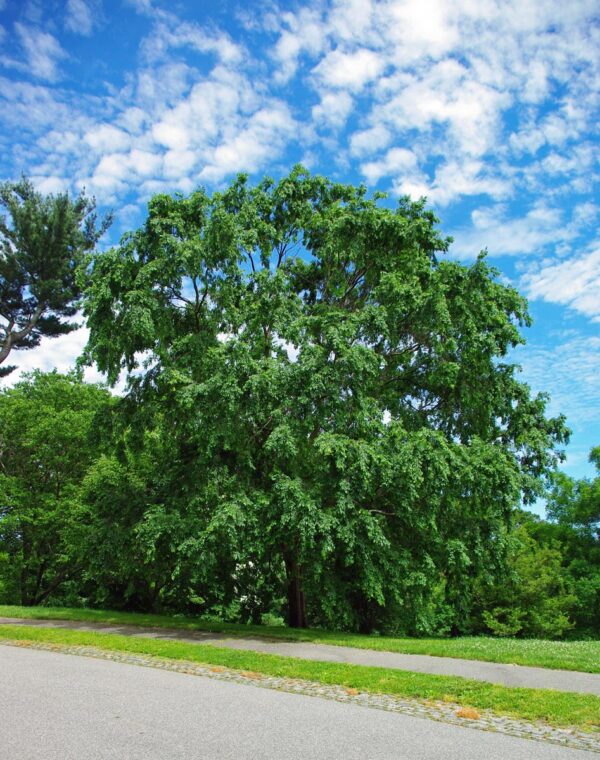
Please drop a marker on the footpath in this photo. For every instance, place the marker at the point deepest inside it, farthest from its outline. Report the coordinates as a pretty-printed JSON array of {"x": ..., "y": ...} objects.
[{"x": 508, "y": 675}]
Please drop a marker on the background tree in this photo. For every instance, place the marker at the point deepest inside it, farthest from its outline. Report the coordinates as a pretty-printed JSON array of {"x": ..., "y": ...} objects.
[
  {"x": 356, "y": 431},
  {"x": 576, "y": 503},
  {"x": 47, "y": 444},
  {"x": 574, "y": 509},
  {"x": 42, "y": 243},
  {"x": 536, "y": 597}
]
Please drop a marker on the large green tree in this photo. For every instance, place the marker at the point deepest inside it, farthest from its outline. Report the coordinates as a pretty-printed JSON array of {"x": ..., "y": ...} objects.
[
  {"x": 42, "y": 242},
  {"x": 147, "y": 544},
  {"x": 341, "y": 393},
  {"x": 47, "y": 443}
]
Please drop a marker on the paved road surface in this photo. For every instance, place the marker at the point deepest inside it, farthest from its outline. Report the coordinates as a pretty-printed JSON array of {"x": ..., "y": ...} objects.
[
  {"x": 61, "y": 707},
  {"x": 510, "y": 675}
]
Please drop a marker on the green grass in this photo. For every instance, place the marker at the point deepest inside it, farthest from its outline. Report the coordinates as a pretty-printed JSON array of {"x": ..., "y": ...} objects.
[
  {"x": 554, "y": 707},
  {"x": 582, "y": 656}
]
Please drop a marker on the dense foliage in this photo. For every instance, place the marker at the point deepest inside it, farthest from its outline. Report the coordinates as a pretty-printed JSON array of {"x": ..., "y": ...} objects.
[
  {"x": 321, "y": 422},
  {"x": 46, "y": 448}
]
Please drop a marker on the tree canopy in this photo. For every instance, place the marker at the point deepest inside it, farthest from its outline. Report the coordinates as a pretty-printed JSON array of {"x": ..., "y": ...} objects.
[
  {"x": 42, "y": 243},
  {"x": 343, "y": 424},
  {"x": 47, "y": 444}
]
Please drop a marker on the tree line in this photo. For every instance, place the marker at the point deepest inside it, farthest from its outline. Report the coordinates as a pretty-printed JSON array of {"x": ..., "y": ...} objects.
[{"x": 321, "y": 421}]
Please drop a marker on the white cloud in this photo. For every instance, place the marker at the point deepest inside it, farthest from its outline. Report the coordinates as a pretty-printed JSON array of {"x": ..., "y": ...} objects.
[
  {"x": 452, "y": 180},
  {"x": 444, "y": 76},
  {"x": 221, "y": 124},
  {"x": 568, "y": 371},
  {"x": 395, "y": 160},
  {"x": 117, "y": 170},
  {"x": 42, "y": 51},
  {"x": 171, "y": 134},
  {"x": 82, "y": 16},
  {"x": 495, "y": 229},
  {"x": 53, "y": 353},
  {"x": 170, "y": 33},
  {"x": 133, "y": 119},
  {"x": 574, "y": 283},
  {"x": 459, "y": 179},
  {"x": 333, "y": 110},
  {"x": 169, "y": 127},
  {"x": 250, "y": 147},
  {"x": 179, "y": 163},
  {"x": 370, "y": 141},
  {"x": 566, "y": 123},
  {"x": 349, "y": 70},
  {"x": 107, "y": 138},
  {"x": 141, "y": 6},
  {"x": 50, "y": 184},
  {"x": 443, "y": 97},
  {"x": 421, "y": 27},
  {"x": 301, "y": 32},
  {"x": 579, "y": 159}
]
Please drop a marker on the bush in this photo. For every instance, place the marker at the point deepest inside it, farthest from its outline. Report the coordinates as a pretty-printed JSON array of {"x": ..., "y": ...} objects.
[{"x": 536, "y": 599}]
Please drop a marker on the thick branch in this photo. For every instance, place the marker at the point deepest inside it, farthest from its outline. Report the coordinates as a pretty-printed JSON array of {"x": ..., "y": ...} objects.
[{"x": 13, "y": 337}]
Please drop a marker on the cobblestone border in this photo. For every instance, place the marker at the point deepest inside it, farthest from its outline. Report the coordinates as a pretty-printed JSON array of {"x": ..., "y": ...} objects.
[{"x": 441, "y": 711}]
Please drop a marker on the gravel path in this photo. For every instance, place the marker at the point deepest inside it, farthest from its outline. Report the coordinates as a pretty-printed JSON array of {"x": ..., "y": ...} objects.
[
  {"x": 509, "y": 675},
  {"x": 59, "y": 707}
]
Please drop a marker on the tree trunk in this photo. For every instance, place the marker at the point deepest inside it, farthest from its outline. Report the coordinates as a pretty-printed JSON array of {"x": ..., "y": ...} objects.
[{"x": 295, "y": 595}]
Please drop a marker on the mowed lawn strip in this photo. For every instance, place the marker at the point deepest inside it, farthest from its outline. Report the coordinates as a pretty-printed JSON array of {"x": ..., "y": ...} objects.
[
  {"x": 583, "y": 656},
  {"x": 556, "y": 708}
]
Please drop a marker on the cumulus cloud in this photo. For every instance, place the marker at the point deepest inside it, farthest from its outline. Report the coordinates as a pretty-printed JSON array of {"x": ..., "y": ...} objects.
[
  {"x": 107, "y": 138},
  {"x": 368, "y": 141},
  {"x": 249, "y": 148},
  {"x": 463, "y": 85},
  {"x": 349, "y": 70},
  {"x": 54, "y": 353},
  {"x": 493, "y": 228},
  {"x": 460, "y": 179},
  {"x": 574, "y": 283},
  {"x": 170, "y": 33},
  {"x": 303, "y": 32},
  {"x": 334, "y": 109},
  {"x": 170, "y": 127},
  {"x": 396, "y": 160},
  {"x": 81, "y": 16},
  {"x": 42, "y": 51}
]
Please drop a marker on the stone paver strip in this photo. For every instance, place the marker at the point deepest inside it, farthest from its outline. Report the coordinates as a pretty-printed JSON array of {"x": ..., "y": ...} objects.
[
  {"x": 508, "y": 675},
  {"x": 440, "y": 711}
]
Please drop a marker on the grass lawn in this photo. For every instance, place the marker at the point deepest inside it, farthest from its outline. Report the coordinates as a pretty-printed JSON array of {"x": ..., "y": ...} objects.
[
  {"x": 555, "y": 707},
  {"x": 583, "y": 656}
]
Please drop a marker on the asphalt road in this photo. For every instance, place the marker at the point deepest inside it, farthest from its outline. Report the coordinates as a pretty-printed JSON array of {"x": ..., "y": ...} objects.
[
  {"x": 509, "y": 675},
  {"x": 62, "y": 707}
]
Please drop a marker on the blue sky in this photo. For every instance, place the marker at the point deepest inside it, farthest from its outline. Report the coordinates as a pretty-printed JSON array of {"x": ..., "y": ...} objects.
[{"x": 487, "y": 107}]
